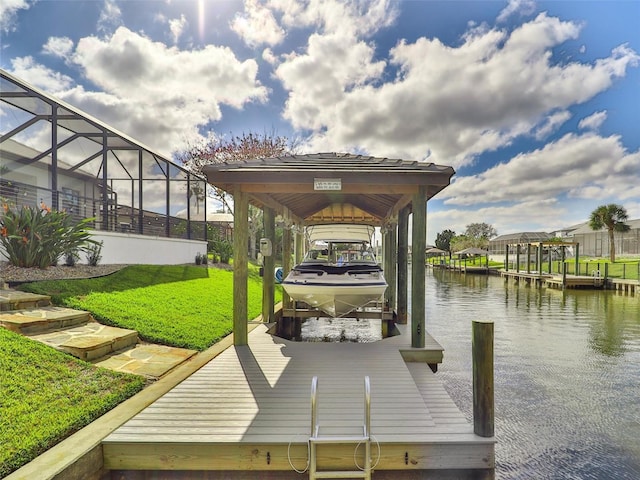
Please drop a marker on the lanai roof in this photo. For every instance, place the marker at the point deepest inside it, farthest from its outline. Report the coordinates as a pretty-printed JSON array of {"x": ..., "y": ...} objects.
[{"x": 331, "y": 187}]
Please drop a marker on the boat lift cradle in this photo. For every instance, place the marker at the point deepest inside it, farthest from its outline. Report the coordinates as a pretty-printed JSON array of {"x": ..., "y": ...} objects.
[{"x": 317, "y": 439}]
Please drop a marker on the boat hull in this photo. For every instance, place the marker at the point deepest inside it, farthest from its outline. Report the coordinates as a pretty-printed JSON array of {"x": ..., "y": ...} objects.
[{"x": 335, "y": 298}]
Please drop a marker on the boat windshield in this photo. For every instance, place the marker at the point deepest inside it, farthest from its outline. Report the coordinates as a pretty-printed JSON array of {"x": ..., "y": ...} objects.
[{"x": 340, "y": 253}]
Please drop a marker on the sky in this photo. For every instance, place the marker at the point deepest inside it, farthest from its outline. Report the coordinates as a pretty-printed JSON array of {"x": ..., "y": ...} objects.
[{"x": 536, "y": 105}]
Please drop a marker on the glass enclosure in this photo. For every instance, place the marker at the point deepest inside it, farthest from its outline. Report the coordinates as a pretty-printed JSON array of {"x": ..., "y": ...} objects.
[{"x": 54, "y": 154}]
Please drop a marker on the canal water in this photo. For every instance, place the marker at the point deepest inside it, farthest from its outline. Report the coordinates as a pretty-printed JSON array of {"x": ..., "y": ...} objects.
[{"x": 567, "y": 371}]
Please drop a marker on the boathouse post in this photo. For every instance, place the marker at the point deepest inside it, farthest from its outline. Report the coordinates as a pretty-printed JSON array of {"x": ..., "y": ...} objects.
[
  {"x": 403, "y": 260},
  {"x": 518, "y": 257},
  {"x": 528, "y": 258},
  {"x": 268, "y": 263},
  {"x": 286, "y": 261},
  {"x": 391, "y": 273},
  {"x": 577, "y": 269},
  {"x": 418, "y": 248},
  {"x": 386, "y": 258},
  {"x": 483, "y": 394},
  {"x": 240, "y": 265},
  {"x": 298, "y": 255}
]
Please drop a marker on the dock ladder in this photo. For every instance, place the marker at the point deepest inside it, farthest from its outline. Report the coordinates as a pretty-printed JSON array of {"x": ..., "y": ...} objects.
[{"x": 316, "y": 439}]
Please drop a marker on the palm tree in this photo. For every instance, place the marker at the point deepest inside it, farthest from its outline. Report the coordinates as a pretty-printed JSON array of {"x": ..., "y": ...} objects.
[{"x": 612, "y": 217}]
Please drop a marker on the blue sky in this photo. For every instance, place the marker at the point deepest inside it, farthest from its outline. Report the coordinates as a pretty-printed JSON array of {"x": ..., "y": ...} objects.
[{"x": 535, "y": 104}]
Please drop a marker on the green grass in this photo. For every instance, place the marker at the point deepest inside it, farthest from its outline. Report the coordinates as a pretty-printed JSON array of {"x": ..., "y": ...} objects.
[
  {"x": 47, "y": 395},
  {"x": 182, "y": 306}
]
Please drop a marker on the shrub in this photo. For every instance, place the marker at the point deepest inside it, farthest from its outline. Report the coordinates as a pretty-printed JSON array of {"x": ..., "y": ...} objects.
[
  {"x": 71, "y": 258},
  {"x": 37, "y": 237},
  {"x": 224, "y": 249},
  {"x": 94, "y": 253}
]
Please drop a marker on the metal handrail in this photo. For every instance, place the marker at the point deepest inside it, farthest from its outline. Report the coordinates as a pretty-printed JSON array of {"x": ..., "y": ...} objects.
[
  {"x": 367, "y": 406},
  {"x": 314, "y": 406}
]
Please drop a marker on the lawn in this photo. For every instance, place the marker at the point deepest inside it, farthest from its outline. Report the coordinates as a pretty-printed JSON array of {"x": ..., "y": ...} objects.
[
  {"x": 48, "y": 395},
  {"x": 181, "y": 306}
]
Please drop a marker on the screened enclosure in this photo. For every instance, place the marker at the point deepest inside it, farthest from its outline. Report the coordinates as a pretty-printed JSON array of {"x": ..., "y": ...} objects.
[{"x": 56, "y": 155}]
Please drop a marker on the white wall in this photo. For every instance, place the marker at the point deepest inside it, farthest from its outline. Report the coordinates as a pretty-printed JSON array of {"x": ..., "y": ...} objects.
[{"x": 143, "y": 249}]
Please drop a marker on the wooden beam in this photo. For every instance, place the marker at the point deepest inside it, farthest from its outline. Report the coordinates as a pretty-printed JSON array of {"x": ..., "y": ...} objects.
[
  {"x": 392, "y": 265},
  {"x": 240, "y": 266},
  {"x": 286, "y": 262},
  {"x": 418, "y": 247},
  {"x": 268, "y": 288},
  {"x": 346, "y": 188},
  {"x": 403, "y": 260},
  {"x": 399, "y": 205}
]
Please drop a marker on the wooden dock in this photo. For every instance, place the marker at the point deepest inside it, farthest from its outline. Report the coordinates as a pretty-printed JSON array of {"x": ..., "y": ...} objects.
[{"x": 248, "y": 410}]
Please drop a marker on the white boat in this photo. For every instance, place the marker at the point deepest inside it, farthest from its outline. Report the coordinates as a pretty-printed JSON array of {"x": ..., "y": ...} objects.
[{"x": 339, "y": 273}]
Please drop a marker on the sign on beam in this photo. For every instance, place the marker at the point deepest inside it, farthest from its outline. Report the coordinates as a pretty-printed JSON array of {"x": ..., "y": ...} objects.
[{"x": 327, "y": 184}]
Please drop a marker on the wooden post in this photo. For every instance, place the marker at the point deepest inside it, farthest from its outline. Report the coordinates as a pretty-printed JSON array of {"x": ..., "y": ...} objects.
[
  {"x": 517, "y": 257},
  {"x": 506, "y": 259},
  {"x": 418, "y": 247},
  {"x": 528, "y": 258},
  {"x": 286, "y": 262},
  {"x": 240, "y": 265},
  {"x": 577, "y": 269},
  {"x": 403, "y": 260},
  {"x": 483, "y": 396},
  {"x": 299, "y": 254},
  {"x": 386, "y": 256},
  {"x": 391, "y": 276},
  {"x": 268, "y": 280}
]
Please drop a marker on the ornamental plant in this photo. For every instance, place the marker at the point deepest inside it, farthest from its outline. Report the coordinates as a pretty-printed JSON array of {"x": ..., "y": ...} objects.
[{"x": 37, "y": 237}]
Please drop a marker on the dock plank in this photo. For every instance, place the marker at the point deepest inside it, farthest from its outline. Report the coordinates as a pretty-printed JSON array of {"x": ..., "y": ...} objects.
[{"x": 257, "y": 397}]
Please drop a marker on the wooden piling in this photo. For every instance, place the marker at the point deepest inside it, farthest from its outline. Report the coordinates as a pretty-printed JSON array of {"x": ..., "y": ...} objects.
[
  {"x": 240, "y": 266},
  {"x": 483, "y": 396}
]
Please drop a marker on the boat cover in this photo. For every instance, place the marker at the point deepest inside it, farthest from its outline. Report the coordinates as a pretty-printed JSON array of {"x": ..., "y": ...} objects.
[{"x": 340, "y": 232}]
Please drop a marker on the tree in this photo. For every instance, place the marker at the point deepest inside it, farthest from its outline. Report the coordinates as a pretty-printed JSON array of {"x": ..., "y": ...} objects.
[
  {"x": 236, "y": 149},
  {"x": 613, "y": 218},
  {"x": 443, "y": 240},
  {"x": 479, "y": 234}
]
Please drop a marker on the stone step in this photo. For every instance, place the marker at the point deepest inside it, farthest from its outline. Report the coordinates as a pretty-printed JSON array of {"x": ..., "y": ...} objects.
[
  {"x": 147, "y": 359},
  {"x": 35, "y": 320},
  {"x": 16, "y": 300},
  {"x": 90, "y": 341}
]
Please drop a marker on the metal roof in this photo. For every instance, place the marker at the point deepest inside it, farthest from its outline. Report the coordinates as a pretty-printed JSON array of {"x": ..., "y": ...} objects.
[{"x": 331, "y": 187}]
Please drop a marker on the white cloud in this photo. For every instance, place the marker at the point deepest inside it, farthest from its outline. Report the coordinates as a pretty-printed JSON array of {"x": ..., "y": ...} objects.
[
  {"x": 269, "y": 57},
  {"x": 585, "y": 166},
  {"x": 447, "y": 103},
  {"x": 27, "y": 69},
  {"x": 594, "y": 121},
  {"x": 58, "y": 47},
  {"x": 522, "y": 7},
  {"x": 177, "y": 27},
  {"x": 257, "y": 25},
  {"x": 110, "y": 17},
  {"x": 551, "y": 124},
  {"x": 157, "y": 94},
  {"x": 536, "y": 215},
  {"x": 336, "y": 16},
  {"x": 8, "y": 10}
]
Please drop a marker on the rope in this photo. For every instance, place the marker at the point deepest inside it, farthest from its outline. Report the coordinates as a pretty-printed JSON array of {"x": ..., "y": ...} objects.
[
  {"x": 355, "y": 451},
  {"x": 308, "y": 455}
]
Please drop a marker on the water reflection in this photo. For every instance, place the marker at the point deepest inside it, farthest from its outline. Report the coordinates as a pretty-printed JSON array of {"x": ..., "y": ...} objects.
[{"x": 567, "y": 373}]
